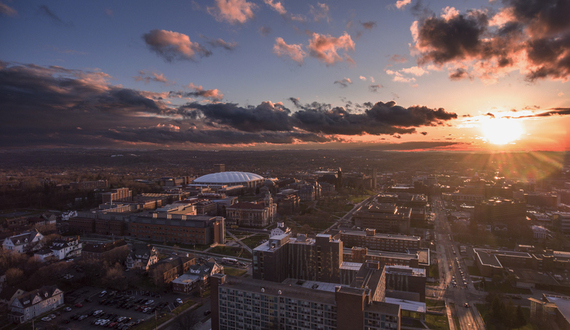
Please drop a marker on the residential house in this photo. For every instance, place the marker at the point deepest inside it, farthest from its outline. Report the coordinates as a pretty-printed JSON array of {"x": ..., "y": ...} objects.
[
  {"x": 142, "y": 256},
  {"x": 197, "y": 276},
  {"x": 35, "y": 303},
  {"x": 9, "y": 293},
  {"x": 68, "y": 247},
  {"x": 166, "y": 270},
  {"x": 24, "y": 242}
]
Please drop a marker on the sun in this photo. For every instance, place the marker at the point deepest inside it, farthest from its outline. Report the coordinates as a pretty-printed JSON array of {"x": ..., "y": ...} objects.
[{"x": 502, "y": 130}]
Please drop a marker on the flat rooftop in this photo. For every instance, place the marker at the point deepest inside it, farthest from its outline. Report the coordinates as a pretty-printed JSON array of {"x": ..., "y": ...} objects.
[{"x": 381, "y": 235}]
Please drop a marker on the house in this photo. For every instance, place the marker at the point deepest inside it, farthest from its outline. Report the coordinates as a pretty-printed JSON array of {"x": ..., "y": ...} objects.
[
  {"x": 166, "y": 270},
  {"x": 142, "y": 256},
  {"x": 68, "y": 247},
  {"x": 198, "y": 275},
  {"x": 60, "y": 249},
  {"x": 31, "y": 304},
  {"x": 24, "y": 242},
  {"x": 9, "y": 293},
  {"x": 280, "y": 229}
]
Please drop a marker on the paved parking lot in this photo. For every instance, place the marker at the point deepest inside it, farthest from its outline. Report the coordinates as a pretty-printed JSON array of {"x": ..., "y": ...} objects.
[{"x": 128, "y": 307}]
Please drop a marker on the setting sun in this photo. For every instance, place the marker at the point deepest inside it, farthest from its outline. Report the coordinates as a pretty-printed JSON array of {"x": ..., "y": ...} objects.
[{"x": 501, "y": 131}]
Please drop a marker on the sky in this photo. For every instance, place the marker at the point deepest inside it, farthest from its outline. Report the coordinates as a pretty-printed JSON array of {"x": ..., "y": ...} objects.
[{"x": 268, "y": 74}]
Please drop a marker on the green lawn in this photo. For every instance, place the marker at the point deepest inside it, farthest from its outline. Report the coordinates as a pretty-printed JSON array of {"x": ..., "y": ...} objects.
[
  {"x": 234, "y": 271},
  {"x": 437, "y": 322},
  {"x": 434, "y": 303},
  {"x": 253, "y": 241}
]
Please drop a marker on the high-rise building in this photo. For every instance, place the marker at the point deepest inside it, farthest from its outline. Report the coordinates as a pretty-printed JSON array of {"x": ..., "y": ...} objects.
[
  {"x": 282, "y": 257},
  {"x": 242, "y": 303}
]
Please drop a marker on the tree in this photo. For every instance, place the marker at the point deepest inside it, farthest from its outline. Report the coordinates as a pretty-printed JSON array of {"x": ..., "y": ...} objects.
[
  {"x": 520, "y": 317},
  {"x": 14, "y": 276},
  {"x": 114, "y": 278}
]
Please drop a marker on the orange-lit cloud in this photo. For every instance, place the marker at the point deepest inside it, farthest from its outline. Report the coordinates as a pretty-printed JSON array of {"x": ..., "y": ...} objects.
[
  {"x": 232, "y": 11},
  {"x": 295, "y": 52},
  {"x": 325, "y": 48}
]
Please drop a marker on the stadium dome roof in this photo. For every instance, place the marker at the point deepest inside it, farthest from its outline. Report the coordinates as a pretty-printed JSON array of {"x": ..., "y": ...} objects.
[{"x": 228, "y": 177}]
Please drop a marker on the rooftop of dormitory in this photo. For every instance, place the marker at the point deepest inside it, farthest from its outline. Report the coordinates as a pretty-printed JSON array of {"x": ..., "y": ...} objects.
[
  {"x": 275, "y": 289},
  {"x": 382, "y": 235},
  {"x": 396, "y": 269}
]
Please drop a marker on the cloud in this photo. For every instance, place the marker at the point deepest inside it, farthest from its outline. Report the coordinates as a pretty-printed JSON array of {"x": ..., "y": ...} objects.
[
  {"x": 232, "y": 11},
  {"x": 532, "y": 37},
  {"x": 325, "y": 48},
  {"x": 399, "y": 77},
  {"x": 368, "y": 25},
  {"x": 362, "y": 78},
  {"x": 264, "y": 30},
  {"x": 265, "y": 117},
  {"x": 320, "y": 12},
  {"x": 277, "y": 6},
  {"x": 92, "y": 112},
  {"x": 199, "y": 91},
  {"x": 415, "y": 70},
  {"x": 402, "y": 3},
  {"x": 109, "y": 12},
  {"x": 44, "y": 10},
  {"x": 374, "y": 88},
  {"x": 344, "y": 82},
  {"x": 174, "y": 46},
  {"x": 7, "y": 10},
  {"x": 459, "y": 74},
  {"x": 152, "y": 76},
  {"x": 295, "y": 52},
  {"x": 377, "y": 119},
  {"x": 398, "y": 58},
  {"x": 220, "y": 43}
]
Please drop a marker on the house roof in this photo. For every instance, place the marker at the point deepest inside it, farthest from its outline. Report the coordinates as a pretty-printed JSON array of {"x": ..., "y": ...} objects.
[
  {"x": 24, "y": 238},
  {"x": 43, "y": 293}
]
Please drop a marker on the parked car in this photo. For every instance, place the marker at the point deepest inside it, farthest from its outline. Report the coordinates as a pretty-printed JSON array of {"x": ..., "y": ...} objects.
[
  {"x": 79, "y": 305},
  {"x": 179, "y": 301}
]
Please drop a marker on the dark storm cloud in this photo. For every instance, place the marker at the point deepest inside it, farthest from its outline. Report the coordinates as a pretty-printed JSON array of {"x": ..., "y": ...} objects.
[
  {"x": 44, "y": 10},
  {"x": 174, "y": 46},
  {"x": 532, "y": 36},
  {"x": 459, "y": 74},
  {"x": 55, "y": 106},
  {"x": 392, "y": 114},
  {"x": 264, "y": 117},
  {"x": 453, "y": 39}
]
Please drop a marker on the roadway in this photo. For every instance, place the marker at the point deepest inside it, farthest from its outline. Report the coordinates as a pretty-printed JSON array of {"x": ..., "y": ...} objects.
[{"x": 452, "y": 269}]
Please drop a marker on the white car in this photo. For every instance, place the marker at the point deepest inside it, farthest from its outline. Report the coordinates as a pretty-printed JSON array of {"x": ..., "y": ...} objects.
[
  {"x": 46, "y": 319},
  {"x": 179, "y": 301}
]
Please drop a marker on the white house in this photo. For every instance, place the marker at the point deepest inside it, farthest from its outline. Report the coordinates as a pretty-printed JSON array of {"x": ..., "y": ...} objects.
[
  {"x": 69, "y": 247},
  {"x": 35, "y": 303},
  {"x": 280, "y": 230},
  {"x": 23, "y": 242}
]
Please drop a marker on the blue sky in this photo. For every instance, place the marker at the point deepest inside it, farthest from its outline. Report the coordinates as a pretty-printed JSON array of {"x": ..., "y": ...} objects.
[{"x": 345, "y": 55}]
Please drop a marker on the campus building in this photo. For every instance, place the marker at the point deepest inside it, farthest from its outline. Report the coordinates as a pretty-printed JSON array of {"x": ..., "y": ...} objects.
[
  {"x": 369, "y": 238},
  {"x": 242, "y": 303},
  {"x": 282, "y": 257},
  {"x": 384, "y": 217},
  {"x": 198, "y": 229}
]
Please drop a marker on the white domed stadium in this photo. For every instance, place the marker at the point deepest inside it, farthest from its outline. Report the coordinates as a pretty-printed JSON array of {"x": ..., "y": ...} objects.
[{"x": 245, "y": 179}]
